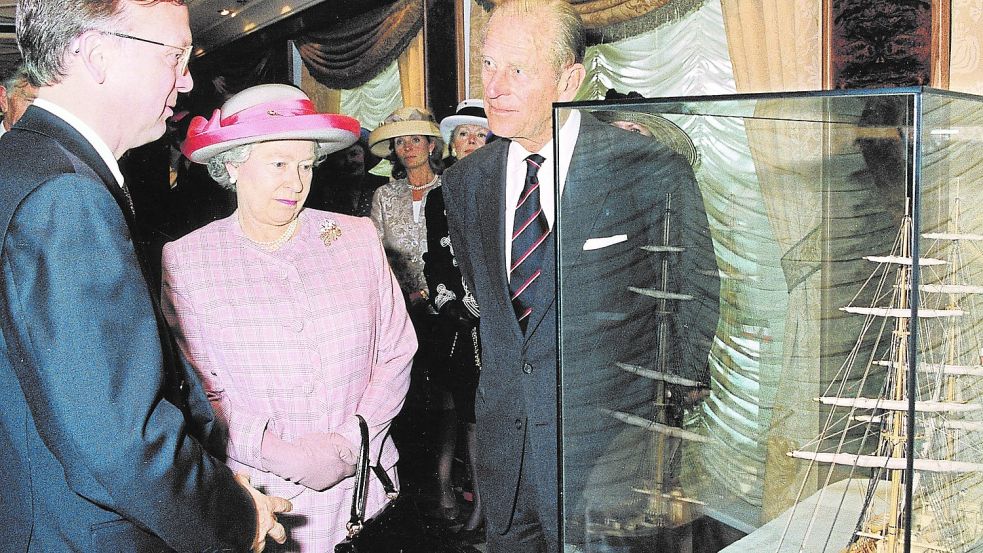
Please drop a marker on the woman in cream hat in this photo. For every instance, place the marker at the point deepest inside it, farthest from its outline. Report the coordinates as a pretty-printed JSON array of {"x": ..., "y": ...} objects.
[
  {"x": 466, "y": 131},
  {"x": 410, "y": 139},
  {"x": 291, "y": 316}
]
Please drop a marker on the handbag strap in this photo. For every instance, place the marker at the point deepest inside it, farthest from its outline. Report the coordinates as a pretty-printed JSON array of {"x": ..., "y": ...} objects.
[{"x": 360, "y": 495}]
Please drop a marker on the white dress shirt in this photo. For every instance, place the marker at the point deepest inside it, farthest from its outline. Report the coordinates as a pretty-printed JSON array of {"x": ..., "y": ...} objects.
[
  {"x": 86, "y": 131},
  {"x": 515, "y": 179}
]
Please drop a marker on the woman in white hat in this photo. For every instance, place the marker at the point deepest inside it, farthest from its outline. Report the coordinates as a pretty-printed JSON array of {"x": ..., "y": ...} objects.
[
  {"x": 465, "y": 131},
  {"x": 291, "y": 316}
]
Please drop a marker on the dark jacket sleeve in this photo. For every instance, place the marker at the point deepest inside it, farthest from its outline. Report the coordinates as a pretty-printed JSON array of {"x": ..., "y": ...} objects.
[
  {"x": 444, "y": 282},
  {"x": 90, "y": 365}
]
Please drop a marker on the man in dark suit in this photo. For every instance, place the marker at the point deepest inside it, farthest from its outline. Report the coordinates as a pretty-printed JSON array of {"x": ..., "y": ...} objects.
[
  {"x": 104, "y": 428},
  {"x": 623, "y": 195}
]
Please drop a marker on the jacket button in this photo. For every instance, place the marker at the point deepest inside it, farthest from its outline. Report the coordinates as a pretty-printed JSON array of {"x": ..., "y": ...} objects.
[
  {"x": 518, "y": 424},
  {"x": 527, "y": 368}
]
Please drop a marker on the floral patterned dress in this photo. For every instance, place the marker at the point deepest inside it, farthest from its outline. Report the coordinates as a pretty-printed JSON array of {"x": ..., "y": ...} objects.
[{"x": 403, "y": 231}]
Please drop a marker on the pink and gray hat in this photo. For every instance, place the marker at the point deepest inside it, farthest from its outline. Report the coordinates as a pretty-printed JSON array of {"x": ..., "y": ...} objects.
[{"x": 263, "y": 113}]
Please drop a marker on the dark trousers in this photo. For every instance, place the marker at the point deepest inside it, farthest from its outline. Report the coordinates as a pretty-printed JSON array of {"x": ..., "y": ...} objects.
[{"x": 534, "y": 525}]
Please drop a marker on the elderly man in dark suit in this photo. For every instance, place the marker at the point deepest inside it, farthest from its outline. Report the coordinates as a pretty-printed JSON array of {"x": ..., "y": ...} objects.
[
  {"x": 104, "y": 429},
  {"x": 621, "y": 194}
]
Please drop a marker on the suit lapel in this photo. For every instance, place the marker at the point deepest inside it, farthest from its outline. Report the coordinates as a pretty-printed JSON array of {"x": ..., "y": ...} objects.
[
  {"x": 490, "y": 200},
  {"x": 45, "y": 123},
  {"x": 583, "y": 199}
]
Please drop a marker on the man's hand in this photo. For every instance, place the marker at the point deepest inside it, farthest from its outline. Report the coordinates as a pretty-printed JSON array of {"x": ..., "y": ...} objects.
[
  {"x": 266, "y": 509},
  {"x": 317, "y": 460}
]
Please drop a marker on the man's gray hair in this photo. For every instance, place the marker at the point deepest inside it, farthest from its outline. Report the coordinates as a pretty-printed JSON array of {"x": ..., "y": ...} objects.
[
  {"x": 17, "y": 82},
  {"x": 571, "y": 41},
  {"x": 238, "y": 155},
  {"x": 46, "y": 29}
]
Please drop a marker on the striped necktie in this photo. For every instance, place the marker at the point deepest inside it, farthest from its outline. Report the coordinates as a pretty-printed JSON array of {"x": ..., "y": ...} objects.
[{"x": 529, "y": 231}]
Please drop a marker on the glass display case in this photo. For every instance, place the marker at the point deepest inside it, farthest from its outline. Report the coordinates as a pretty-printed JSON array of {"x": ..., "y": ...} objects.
[{"x": 769, "y": 332}]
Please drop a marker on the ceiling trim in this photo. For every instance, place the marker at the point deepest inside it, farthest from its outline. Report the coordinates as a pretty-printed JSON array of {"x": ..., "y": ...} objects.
[{"x": 216, "y": 31}]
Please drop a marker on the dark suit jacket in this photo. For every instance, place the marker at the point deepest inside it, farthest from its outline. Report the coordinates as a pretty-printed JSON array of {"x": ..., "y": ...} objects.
[
  {"x": 619, "y": 183},
  {"x": 100, "y": 445}
]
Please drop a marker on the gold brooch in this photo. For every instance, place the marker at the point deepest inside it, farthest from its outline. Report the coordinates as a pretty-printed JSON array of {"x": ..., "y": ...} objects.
[{"x": 330, "y": 231}]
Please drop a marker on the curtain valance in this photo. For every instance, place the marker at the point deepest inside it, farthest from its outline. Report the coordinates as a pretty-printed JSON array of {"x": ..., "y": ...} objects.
[{"x": 351, "y": 52}]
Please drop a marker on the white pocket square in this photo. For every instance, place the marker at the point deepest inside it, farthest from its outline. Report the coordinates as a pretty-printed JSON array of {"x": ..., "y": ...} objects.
[{"x": 598, "y": 243}]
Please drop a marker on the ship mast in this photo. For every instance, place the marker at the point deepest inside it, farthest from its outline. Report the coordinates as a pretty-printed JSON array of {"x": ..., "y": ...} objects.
[
  {"x": 896, "y": 433},
  {"x": 662, "y": 484}
]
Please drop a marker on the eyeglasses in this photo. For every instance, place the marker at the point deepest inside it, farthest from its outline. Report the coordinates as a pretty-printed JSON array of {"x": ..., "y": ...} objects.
[{"x": 182, "y": 61}]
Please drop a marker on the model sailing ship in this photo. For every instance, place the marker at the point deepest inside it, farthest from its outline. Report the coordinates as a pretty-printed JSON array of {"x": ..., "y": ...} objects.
[
  {"x": 922, "y": 352},
  {"x": 666, "y": 504}
]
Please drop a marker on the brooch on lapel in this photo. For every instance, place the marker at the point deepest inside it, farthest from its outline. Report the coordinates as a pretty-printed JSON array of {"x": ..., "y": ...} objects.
[{"x": 330, "y": 231}]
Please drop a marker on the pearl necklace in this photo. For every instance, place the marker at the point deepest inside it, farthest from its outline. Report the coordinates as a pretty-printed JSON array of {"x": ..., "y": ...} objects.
[
  {"x": 274, "y": 245},
  {"x": 418, "y": 187}
]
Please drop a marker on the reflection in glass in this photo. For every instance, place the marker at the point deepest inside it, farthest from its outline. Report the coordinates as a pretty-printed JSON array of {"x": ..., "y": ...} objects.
[{"x": 758, "y": 391}]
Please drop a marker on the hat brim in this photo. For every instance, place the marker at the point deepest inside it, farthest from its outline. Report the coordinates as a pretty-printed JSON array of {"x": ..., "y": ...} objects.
[
  {"x": 451, "y": 122},
  {"x": 380, "y": 137},
  {"x": 662, "y": 129},
  {"x": 333, "y": 132}
]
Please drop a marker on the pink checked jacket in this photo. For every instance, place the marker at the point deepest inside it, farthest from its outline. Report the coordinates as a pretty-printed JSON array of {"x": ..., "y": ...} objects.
[{"x": 297, "y": 340}]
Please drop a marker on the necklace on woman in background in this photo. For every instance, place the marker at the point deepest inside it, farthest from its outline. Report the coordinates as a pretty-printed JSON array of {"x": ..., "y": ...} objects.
[
  {"x": 273, "y": 245},
  {"x": 417, "y": 187}
]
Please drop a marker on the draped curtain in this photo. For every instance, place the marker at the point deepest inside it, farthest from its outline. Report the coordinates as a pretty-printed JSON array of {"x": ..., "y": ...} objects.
[
  {"x": 966, "y": 56},
  {"x": 608, "y": 20},
  {"x": 412, "y": 73},
  {"x": 373, "y": 63},
  {"x": 351, "y": 52},
  {"x": 684, "y": 58},
  {"x": 776, "y": 45},
  {"x": 373, "y": 101}
]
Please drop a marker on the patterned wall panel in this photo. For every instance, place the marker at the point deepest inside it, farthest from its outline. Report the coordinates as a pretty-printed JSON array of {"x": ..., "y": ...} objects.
[
  {"x": 876, "y": 43},
  {"x": 966, "y": 56}
]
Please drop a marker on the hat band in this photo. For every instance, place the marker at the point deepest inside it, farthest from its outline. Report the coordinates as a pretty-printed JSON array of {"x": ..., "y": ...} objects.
[
  {"x": 287, "y": 108},
  {"x": 472, "y": 111}
]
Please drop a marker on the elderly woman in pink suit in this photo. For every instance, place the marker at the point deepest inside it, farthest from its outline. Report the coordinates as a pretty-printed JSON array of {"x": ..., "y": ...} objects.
[{"x": 291, "y": 316}]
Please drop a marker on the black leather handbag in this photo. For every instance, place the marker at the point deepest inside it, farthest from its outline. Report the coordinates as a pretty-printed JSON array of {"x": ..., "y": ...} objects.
[{"x": 398, "y": 528}]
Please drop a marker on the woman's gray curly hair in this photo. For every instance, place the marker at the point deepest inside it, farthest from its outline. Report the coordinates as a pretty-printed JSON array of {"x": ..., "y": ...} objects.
[{"x": 238, "y": 155}]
